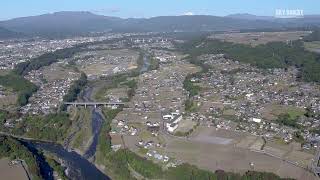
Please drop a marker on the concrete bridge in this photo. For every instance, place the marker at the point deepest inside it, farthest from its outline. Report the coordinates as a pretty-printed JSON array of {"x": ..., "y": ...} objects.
[{"x": 95, "y": 104}]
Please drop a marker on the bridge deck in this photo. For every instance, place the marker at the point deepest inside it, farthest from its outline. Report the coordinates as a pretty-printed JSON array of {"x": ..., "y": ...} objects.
[{"x": 93, "y": 103}]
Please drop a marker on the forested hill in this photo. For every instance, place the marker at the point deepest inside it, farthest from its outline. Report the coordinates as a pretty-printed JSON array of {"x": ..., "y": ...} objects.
[
  {"x": 62, "y": 24},
  {"x": 271, "y": 55},
  {"x": 6, "y": 34}
]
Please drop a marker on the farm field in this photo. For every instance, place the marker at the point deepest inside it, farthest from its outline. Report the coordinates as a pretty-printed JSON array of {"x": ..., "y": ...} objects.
[{"x": 214, "y": 149}]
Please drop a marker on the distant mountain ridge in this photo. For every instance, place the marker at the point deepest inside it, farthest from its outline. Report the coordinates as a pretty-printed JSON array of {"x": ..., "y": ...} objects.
[
  {"x": 5, "y": 34},
  {"x": 81, "y": 22},
  {"x": 306, "y": 20},
  {"x": 60, "y": 23},
  {"x": 247, "y": 16}
]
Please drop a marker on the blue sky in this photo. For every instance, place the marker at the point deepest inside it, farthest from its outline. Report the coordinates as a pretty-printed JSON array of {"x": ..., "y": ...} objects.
[{"x": 149, "y": 8}]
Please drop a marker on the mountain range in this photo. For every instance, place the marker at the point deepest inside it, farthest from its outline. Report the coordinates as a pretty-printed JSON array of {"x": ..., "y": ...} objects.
[
  {"x": 80, "y": 22},
  {"x": 7, "y": 34}
]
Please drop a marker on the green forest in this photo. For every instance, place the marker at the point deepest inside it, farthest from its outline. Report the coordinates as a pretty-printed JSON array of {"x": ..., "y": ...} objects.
[
  {"x": 76, "y": 88},
  {"x": 190, "y": 87},
  {"x": 52, "y": 127}
]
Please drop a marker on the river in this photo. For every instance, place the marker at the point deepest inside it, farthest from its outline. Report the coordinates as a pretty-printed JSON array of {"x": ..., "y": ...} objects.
[
  {"x": 97, "y": 117},
  {"x": 78, "y": 167},
  {"x": 146, "y": 64}
]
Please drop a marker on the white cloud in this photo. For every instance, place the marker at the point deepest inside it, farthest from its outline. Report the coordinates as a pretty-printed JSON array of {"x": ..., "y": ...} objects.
[{"x": 188, "y": 13}]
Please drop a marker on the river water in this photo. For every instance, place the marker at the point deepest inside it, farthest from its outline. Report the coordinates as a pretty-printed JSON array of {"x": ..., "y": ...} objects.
[
  {"x": 96, "y": 124},
  {"x": 79, "y": 168}
]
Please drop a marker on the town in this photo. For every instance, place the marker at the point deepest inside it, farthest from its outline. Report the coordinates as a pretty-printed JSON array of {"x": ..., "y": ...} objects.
[{"x": 174, "y": 111}]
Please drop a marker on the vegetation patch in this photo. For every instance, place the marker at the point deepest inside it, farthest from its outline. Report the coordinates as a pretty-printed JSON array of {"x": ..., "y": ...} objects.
[
  {"x": 52, "y": 127},
  {"x": 83, "y": 131},
  {"x": 154, "y": 64},
  {"x": 286, "y": 120},
  {"x": 190, "y": 105},
  {"x": 74, "y": 90},
  {"x": 20, "y": 85},
  {"x": 56, "y": 166}
]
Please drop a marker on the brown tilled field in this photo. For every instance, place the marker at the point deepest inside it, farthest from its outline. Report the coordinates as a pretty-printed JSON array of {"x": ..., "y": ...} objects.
[{"x": 211, "y": 149}]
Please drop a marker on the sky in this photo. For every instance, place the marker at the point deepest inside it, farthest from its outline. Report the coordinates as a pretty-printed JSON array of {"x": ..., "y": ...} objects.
[{"x": 150, "y": 8}]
